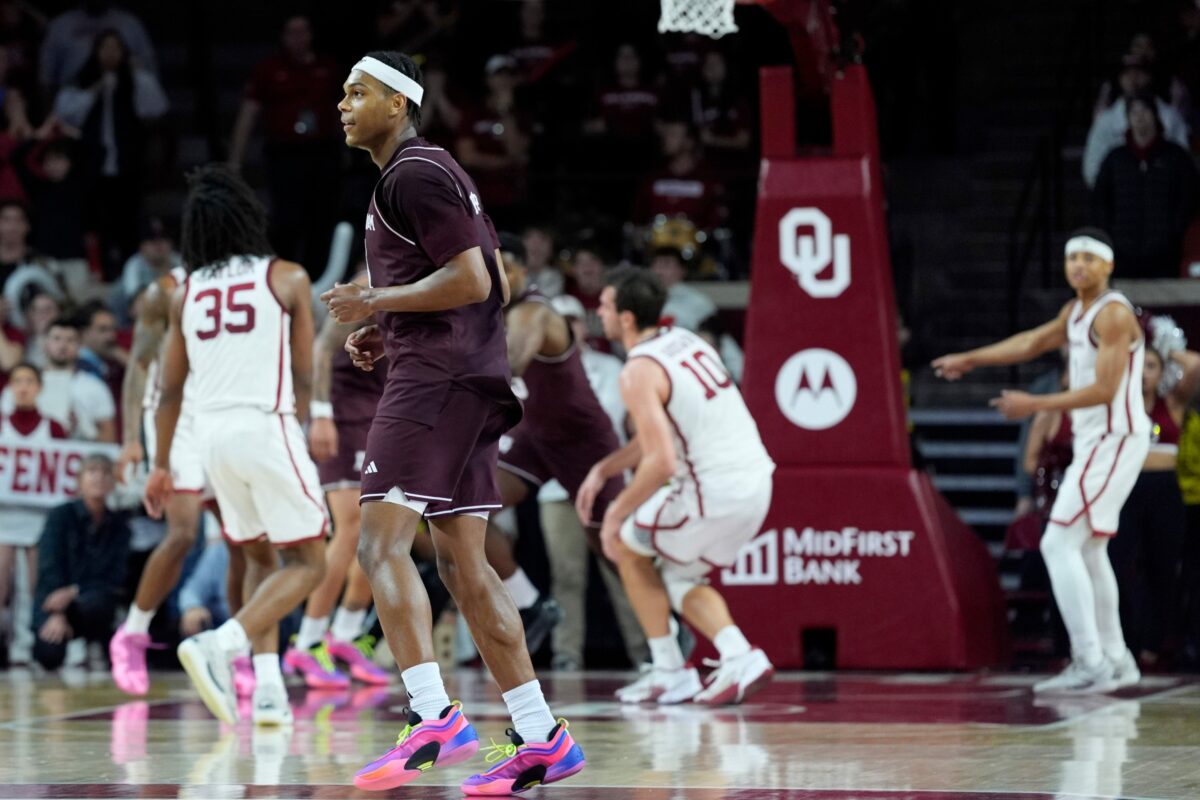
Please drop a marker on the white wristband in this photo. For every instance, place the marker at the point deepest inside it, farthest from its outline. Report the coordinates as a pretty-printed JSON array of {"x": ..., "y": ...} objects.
[{"x": 319, "y": 409}]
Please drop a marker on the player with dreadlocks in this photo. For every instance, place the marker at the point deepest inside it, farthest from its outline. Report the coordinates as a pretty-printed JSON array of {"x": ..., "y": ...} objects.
[{"x": 241, "y": 331}]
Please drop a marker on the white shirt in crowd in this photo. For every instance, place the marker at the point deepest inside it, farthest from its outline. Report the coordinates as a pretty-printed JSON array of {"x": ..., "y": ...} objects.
[
  {"x": 687, "y": 306},
  {"x": 77, "y": 400},
  {"x": 74, "y": 103},
  {"x": 1108, "y": 133}
]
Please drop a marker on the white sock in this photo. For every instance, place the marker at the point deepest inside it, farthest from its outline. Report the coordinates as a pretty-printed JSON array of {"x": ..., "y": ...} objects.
[
  {"x": 232, "y": 637},
  {"x": 531, "y": 716},
  {"x": 347, "y": 624},
  {"x": 138, "y": 621},
  {"x": 523, "y": 592},
  {"x": 665, "y": 652},
  {"x": 311, "y": 631},
  {"x": 1062, "y": 550},
  {"x": 730, "y": 642},
  {"x": 266, "y": 669},
  {"x": 1104, "y": 589},
  {"x": 426, "y": 692}
]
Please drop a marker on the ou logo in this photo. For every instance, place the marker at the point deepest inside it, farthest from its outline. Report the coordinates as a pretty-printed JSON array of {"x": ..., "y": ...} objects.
[
  {"x": 816, "y": 389},
  {"x": 808, "y": 255}
]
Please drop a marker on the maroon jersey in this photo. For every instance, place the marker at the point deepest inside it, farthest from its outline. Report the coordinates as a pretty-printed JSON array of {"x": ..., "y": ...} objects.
[
  {"x": 424, "y": 211},
  {"x": 562, "y": 412},
  {"x": 355, "y": 392}
]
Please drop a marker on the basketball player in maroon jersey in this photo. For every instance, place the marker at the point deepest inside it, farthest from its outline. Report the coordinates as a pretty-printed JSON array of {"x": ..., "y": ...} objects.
[
  {"x": 437, "y": 292},
  {"x": 564, "y": 431}
]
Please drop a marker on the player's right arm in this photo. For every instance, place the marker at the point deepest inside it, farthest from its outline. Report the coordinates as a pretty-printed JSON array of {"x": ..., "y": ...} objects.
[
  {"x": 604, "y": 470},
  {"x": 525, "y": 327},
  {"x": 148, "y": 334},
  {"x": 1016, "y": 349},
  {"x": 322, "y": 432},
  {"x": 159, "y": 486}
]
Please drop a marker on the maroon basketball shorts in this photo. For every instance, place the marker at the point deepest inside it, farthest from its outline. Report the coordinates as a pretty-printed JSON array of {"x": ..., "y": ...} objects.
[
  {"x": 449, "y": 468},
  {"x": 537, "y": 462},
  {"x": 344, "y": 469}
]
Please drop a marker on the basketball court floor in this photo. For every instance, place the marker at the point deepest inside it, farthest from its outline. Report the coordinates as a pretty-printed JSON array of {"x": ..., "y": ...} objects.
[{"x": 866, "y": 737}]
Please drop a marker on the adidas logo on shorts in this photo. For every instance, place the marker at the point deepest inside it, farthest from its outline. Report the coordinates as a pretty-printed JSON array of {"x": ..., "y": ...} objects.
[{"x": 371, "y": 469}]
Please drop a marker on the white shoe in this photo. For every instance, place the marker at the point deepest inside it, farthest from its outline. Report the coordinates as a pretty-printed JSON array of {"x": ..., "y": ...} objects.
[
  {"x": 271, "y": 705},
  {"x": 735, "y": 679},
  {"x": 208, "y": 665},
  {"x": 663, "y": 686},
  {"x": 1080, "y": 678},
  {"x": 1125, "y": 671}
]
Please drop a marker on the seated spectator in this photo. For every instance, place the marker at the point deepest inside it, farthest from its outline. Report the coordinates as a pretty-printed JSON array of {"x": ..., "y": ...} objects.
[
  {"x": 296, "y": 90},
  {"x": 82, "y": 403},
  {"x": 722, "y": 115},
  {"x": 12, "y": 343},
  {"x": 81, "y": 568},
  {"x": 156, "y": 256},
  {"x": 110, "y": 103},
  {"x": 71, "y": 34},
  {"x": 100, "y": 354},
  {"x": 15, "y": 249},
  {"x": 625, "y": 109},
  {"x": 1145, "y": 196},
  {"x": 21, "y": 526},
  {"x": 535, "y": 52},
  {"x": 1109, "y": 127},
  {"x": 34, "y": 319},
  {"x": 712, "y": 330},
  {"x": 683, "y": 186},
  {"x": 542, "y": 260},
  {"x": 203, "y": 600},
  {"x": 585, "y": 283},
  {"x": 493, "y": 143},
  {"x": 686, "y": 306},
  {"x": 57, "y": 198}
]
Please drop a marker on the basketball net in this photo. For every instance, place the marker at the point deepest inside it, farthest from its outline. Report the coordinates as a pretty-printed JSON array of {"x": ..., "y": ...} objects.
[{"x": 711, "y": 17}]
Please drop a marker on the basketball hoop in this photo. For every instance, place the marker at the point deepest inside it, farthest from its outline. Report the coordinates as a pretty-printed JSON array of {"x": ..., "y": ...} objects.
[{"x": 711, "y": 17}]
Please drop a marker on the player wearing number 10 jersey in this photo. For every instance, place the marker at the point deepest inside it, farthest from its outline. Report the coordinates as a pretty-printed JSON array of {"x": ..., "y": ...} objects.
[
  {"x": 696, "y": 436},
  {"x": 241, "y": 326}
]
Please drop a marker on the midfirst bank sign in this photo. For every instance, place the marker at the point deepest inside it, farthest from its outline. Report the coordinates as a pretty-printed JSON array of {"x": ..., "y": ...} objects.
[{"x": 813, "y": 556}]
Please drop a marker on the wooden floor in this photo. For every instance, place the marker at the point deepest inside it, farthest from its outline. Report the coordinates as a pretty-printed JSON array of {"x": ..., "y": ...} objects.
[{"x": 948, "y": 737}]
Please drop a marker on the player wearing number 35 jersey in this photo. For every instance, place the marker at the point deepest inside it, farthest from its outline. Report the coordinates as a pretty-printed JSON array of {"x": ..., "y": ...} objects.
[
  {"x": 695, "y": 435},
  {"x": 241, "y": 332}
]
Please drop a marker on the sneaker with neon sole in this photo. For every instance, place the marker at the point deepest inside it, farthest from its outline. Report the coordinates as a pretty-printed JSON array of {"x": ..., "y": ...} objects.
[
  {"x": 523, "y": 766},
  {"x": 420, "y": 747},
  {"x": 316, "y": 666},
  {"x": 735, "y": 679},
  {"x": 244, "y": 680},
  {"x": 357, "y": 657},
  {"x": 127, "y": 651}
]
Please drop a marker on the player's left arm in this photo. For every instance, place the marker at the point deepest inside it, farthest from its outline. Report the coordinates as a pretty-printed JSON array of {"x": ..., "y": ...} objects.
[
  {"x": 526, "y": 331},
  {"x": 1116, "y": 329},
  {"x": 645, "y": 389},
  {"x": 291, "y": 285},
  {"x": 463, "y": 281}
]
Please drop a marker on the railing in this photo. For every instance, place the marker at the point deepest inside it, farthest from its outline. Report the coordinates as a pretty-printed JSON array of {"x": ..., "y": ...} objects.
[{"x": 1041, "y": 213}]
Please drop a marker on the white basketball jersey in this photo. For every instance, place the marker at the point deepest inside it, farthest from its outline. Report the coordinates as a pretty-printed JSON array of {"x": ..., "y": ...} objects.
[
  {"x": 153, "y": 391},
  {"x": 238, "y": 338},
  {"x": 714, "y": 432},
  {"x": 1126, "y": 414}
]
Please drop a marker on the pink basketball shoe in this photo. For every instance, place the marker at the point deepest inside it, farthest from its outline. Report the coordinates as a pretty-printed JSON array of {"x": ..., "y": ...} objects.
[
  {"x": 524, "y": 766},
  {"x": 127, "y": 651},
  {"x": 422, "y": 745},
  {"x": 316, "y": 666},
  {"x": 357, "y": 656}
]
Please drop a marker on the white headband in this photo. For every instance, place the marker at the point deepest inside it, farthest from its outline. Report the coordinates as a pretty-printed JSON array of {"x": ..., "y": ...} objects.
[
  {"x": 392, "y": 78},
  {"x": 1086, "y": 244}
]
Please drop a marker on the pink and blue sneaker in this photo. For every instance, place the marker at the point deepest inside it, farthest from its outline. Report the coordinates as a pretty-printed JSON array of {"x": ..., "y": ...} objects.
[
  {"x": 524, "y": 766},
  {"x": 357, "y": 656},
  {"x": 316, "y": 666},
  {"x": 420, "y": 747}
]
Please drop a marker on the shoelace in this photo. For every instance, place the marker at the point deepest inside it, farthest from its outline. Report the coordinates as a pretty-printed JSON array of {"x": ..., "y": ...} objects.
[
  {"x": 500, "y": 751},
  {"x": 321, "y": 653},
  {"x": 366, "y": 645},
  {"x": 404, "y": 733}
]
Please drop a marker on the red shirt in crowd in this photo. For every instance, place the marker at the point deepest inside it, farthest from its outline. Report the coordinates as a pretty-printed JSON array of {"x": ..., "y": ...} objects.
[
  {"x": 503, "y": 187},
  {"x": 628, "y": 112},
  {"x": 694, "y": 195},
  {"x": 299, "y": 100}
]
